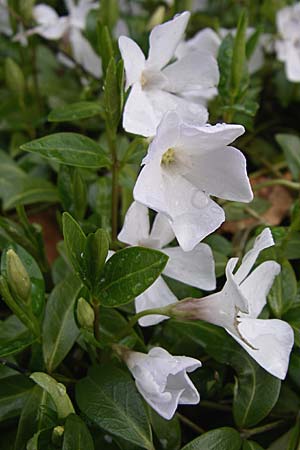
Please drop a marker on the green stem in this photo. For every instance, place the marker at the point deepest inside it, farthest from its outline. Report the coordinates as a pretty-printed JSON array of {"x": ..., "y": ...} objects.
[
  {"x": 115, "y": 184},
  {"x": 212, "y": 405},
  {"x": 274, "y": 182},
  {"x": 96, "y": 321},
  {"x": 269, "y": 426},
  {"x": 190, "y": 424}
]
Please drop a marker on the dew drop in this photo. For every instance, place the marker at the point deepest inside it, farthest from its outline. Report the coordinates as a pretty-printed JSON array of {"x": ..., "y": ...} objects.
[
  {"x": 199, "y": 199},
  {"x": 61, "y": 389}
]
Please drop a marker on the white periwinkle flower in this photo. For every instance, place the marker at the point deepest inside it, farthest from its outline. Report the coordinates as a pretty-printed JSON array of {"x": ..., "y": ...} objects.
[
  {"x": 288, "y": 46},
  {"x": 51, "y": 26},
  {"x": 195, "y": 268},
  {"x": 158, "y": 86},
  {"x": 5, "y": 27},
  {"x": 186, "y": 164},
  {"x": 162, "y": 379},
  {"x": 238, "y": 305}
]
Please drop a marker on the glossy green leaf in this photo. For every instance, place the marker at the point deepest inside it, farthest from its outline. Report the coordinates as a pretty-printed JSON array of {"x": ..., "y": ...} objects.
[
  {"x": 13, "y": 393},
  {"x": 57, "y": 391},
  {"x": 239, "y": 54},
  {"x": 168, "y": 432},
  {"x": 256, "y": 391},
  {"x": 290, "y": 145},
  {"x": 16, "y": 345},
  {"x": 220, "y": 439},
  {"x": 109, "y": 398},
  {"x": 75, "y": 241},
  {"x": 59, "y": 329},
  {"x": 77, "y": 435},
  {"x": 75, "y": 111},
  {"x": 283, "y": 291},
  {"x": 251, "y": 445},
  {"x": 69, "y": 148},
  {"x": 128, "y": 273},
  {"x": 95, "y": 254}
]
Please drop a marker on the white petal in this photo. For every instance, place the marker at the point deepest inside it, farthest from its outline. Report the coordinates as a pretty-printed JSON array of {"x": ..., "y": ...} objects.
[
  {"x": 194, "y": 71},
  {"x": 264, "y": 240},
  {"x": 44, "y": 14},
  {"x": 190, "y": 395},
  {"x": 272, "y": 340},
  {"x": 162, "y": 231},
  {"x": 199, "y": 140},
  {"x": 257, "y": 285},
  {"x": 164, "y": 40},
  {"x": 193, "y": 214},
  {"x": 156, "y": 296},
  {"x": 134, "y": 60},
  {"x": 84, "y": 53},
  {"x": 205, "y": 40},
  {"x": 139, "y": 116},
  {"x": 222, "y": 173},
  {"x": 292, "y": 63},
  {"x": 136, "y": 225},
  {"x": 195, "y": 268}
]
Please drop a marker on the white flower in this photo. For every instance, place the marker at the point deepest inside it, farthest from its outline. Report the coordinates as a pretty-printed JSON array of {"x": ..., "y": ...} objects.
[
  {"x": 162, "y": 379},
  {"x": 288, "y": 46},
  {"x": 238, "y": 305},
  {"x": 186, "y": 164},
  {"x": 210, "y": 41},
  {"x": 158, "y": 86},
  {"x": 51, "y": 26},
  {"x": 5, "y": 27},
  {"x": 195, "y": 268}
]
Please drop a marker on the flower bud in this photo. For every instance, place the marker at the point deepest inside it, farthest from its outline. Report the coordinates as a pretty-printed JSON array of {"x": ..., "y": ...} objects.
[
  {"x": 26, "y": 8},
  {"x": 14, "y": 78},
  {"x": 57, "y": 435},
  {"x": 85, "y": 314},
  {"x": 157, "y": 17},
  {"x": 18, "y": 278}
]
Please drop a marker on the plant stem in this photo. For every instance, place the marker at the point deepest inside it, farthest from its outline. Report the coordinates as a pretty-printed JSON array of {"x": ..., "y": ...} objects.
[
  {"x": 213, "y": 405},
  {"x": 96, "y": 321},
  {"x": 115, "y": 184},
  {"x": 190, "y": 424},
  {"x": 257, "y": 430},
  {"x": 274, "y": 182}
]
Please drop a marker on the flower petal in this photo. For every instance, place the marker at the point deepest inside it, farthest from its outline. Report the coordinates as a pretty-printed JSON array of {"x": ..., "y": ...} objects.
[
  {"x": 196, "y": 70},
  {"x": 134, "y": 60},
  {"x": 136, "y": 225},
  {"x": 264, "y": 240},
  {"x": 164, "y": 40},
  {"x": 222, "y": 173},
  {"x": 257, "y": 285},
  {"x": 84, "y": 53},
  {"x": 195, "y": 268},
  {"x": 205, "y": 40},
  {"x": 272, "y": 340},
  {"x": 156, "y": 296}
]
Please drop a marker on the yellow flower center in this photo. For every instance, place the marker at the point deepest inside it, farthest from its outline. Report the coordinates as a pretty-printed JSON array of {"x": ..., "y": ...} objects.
[{"x": 168, "y": 157}]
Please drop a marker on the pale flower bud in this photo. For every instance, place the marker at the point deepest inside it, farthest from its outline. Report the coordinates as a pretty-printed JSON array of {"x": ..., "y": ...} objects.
[
  {"x": 18, "y": 278},
  {"x": 57, "y": 435},
  {"x": 85, "y": 314}
]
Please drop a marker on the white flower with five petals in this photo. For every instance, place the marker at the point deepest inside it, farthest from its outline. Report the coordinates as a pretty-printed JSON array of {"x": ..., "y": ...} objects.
[
  {"x": 51, "y": 26},
  {"x": 195, "y": 268},
  {"x": 186, "y": 164},
  {"x": 158, "y": 86},
  {"x": 237, "y": 306},
  {"x": 288, "y": 46},
  {"x": 162, "y": 379}
]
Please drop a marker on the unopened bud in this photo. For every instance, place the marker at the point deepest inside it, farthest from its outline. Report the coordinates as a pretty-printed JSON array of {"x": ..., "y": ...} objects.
[
  {"x": 17, "y": 275},
  {"x": 57, "y": 435},
  {"x": 14, "y": 78},
  {"x": 26, "y": 9},
  {"x": 85, "y": 314},
  {"x": 157, "y": 17}
]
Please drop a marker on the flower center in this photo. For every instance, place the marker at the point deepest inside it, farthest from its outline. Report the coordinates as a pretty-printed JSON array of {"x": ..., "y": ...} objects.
[
  {"x": 143, "y": 80},
  {"x": 168, "y": 157}
]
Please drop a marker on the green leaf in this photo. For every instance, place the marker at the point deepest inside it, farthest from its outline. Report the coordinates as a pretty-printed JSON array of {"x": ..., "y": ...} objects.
[
  {"x": 69, "y": 148},
  {"x": 57, "y": 391},
  {"x": 224, "y": 63},
  {"x": 75, "y": 111},
  {"x": 59, "y": 328},
  {"x": 95, "y": 253},
  {"x": 251, "y": 445},
  {"x": 16, "y": 345},
  {"x": 109, "y": 398},
  {"x": 128, "y": 273},
  {"x": 112, "y": 99},
  {"x": 256, "y": 391},
  {"x": 34, "y": 417},
  {"x": 77, "y": 435},
  {"x": 283, "y": 291},
  {"x": 13, "y": 394},
  {"x": 105, "y": 46},
  {"x": 239, "y": 55},
  {"x": 168, "y": 432},
  {"x": 220, "y": 439},
  {"x": 75, "y": 242},
  {"x": 290, "y": 145}
]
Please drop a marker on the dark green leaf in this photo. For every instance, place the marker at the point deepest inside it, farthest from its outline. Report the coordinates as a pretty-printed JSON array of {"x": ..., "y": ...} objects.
[
  {"x": 16, "y": 345},
  {"x": 59, "y": 329},
  {"x": 75, "y": 242},
  {"x": 75, "y": 111},
  {"x": 220, "y": 439},
  {"x": 168, "y": 432},
  {"x": 96, "y": 249},
  {"x": 251, "y": 445},
  {"x": 77, "y": 435},
  {"x": 283, "y": 291},
  {"x": 239, "y": 55},
  {"x": 290, "y": 145},
  {"x": 13, "y": 394},
  {"x": 69, "y": 148},
  {"x": 109, "y": 398},
  {"x": 128, "y": 273}
]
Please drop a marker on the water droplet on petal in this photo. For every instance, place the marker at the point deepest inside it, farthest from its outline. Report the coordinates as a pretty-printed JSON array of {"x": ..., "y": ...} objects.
[{"x": 199, "y": 199}]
